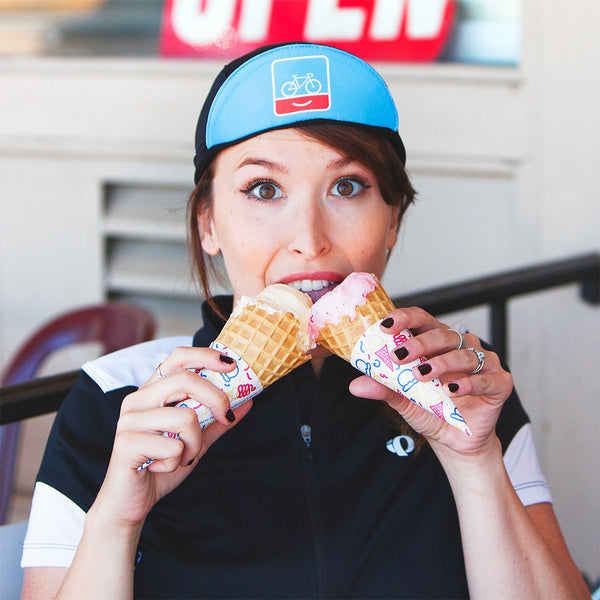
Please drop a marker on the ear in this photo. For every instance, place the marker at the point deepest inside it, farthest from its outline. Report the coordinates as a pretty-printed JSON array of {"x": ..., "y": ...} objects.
[
  {"x": 208, "y": 237},
  {"x": 392, "y": 236}
]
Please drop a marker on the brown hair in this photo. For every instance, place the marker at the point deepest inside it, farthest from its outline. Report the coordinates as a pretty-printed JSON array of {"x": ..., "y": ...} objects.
[{"x": 360, "y": 144}]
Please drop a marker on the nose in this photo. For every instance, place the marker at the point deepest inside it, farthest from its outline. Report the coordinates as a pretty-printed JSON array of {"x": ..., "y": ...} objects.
[{"x": 309, "y": 232}]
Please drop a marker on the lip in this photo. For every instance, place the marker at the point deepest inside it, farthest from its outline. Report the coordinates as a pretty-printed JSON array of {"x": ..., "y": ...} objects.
[{"x": 315, "y": 275}]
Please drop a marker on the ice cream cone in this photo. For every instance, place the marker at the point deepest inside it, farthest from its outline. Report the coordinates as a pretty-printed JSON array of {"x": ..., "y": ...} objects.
[
  {"x": 267, "y": 336},
  {"x": 347, "y": 322}
]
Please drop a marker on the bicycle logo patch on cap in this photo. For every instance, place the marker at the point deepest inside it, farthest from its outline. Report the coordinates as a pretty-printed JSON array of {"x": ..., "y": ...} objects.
[{"x": 300, "y": 84}]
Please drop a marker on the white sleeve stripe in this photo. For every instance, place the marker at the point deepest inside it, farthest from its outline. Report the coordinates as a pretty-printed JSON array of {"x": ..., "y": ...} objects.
[
  {"x": 54, "y": 529},
  {"x": 133, "y": 365},
  {"x": 524, "y": 470}
]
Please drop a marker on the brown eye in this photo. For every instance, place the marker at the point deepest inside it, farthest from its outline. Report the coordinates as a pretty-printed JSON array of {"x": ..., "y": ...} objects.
[
  {"x": 344, "y": 188},
  {"x": 262, "y": 190},
  {"x": 267, "y": 191},
  {"x": 347, "y": 187}
]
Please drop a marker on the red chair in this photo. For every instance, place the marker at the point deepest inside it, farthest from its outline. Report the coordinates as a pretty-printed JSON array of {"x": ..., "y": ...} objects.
[{"x": 114, "y": 325}]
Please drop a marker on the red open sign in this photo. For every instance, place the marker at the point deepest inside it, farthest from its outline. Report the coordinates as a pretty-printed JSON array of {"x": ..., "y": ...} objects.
[{"x": 404, "y": 30}]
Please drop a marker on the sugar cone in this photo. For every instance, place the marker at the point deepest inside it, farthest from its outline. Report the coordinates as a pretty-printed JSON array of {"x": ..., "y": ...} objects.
[
  {"x": 341, "y": 338},
  {"x": 267, "y": 341}
]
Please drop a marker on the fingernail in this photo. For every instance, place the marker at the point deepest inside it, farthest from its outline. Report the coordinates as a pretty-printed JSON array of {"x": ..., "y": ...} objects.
[
  {"x": 190, "y": 463},
  {"x": 226, "y": 359},
  {"x": 453, "y": 387},
  {"x": 230, "y": 416},
  {"x": 401, "y": 353},
  {"x": 424, "y": 369},
  {"x": 387, "y": 323}
]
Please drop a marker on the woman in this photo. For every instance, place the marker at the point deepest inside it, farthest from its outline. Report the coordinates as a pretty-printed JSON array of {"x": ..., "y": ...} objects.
[{"x": 300, "y": 180}]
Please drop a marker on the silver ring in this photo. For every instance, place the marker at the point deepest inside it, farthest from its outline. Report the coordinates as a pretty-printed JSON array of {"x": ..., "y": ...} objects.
[
  {"x": 461, "y": 340},
  {"x": 480, "y": 357},
  {"x": 158, "y": 372}
]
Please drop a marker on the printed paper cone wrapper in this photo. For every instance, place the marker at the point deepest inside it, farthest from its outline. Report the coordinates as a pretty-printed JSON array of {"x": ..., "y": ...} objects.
[
  {"x": 361, "y": 342},
  {"x": 371, "y": 356},
  {"x": 264, "y": 345}
]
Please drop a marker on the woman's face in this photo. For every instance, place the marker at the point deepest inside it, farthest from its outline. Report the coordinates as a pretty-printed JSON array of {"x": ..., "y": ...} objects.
[{"x": 288, "y": 209}]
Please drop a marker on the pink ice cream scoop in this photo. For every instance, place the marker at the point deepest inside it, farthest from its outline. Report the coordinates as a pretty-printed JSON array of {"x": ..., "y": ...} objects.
[{"x": 342, "y": 301}]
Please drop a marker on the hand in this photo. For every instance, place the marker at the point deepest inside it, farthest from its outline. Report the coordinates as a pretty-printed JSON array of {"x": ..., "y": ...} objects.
[
  {"x": 127, "y": 495},
  {"x": 479, "y": 397}
]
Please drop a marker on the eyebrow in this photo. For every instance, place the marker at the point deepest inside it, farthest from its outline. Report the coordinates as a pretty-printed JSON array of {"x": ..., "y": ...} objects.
[
  {"x": 262, "y": 162},
  {"x": 275, "y": 166},
  {"x": 340, "y": 162}
]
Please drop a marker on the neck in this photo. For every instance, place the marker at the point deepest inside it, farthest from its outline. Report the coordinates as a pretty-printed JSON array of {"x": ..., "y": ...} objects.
[{"x": 317, "y": 364}]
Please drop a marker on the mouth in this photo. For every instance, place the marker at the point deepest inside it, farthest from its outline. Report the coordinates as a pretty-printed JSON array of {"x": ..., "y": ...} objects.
[{"x": 313, "y": 288}]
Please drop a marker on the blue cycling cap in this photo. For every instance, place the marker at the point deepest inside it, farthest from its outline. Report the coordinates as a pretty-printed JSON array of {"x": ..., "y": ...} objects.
[{"x": 280, "y": 86}]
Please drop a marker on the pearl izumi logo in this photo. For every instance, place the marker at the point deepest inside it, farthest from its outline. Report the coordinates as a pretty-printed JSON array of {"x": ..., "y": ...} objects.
[
  {"x": 300, "y": 84},
  {"x": 402, "y": 445}
]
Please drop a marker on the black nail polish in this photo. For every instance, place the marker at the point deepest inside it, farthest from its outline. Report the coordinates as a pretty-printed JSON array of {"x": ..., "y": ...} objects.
[
  {"x": 424, "y": 369},
  {"x": 453, "y": 387},
  {"x": 387, "y": 323},
  {"x": 401, "y": 353},
  {"x": 226, "y": 359},
  {"x": 230, "y": 416}
]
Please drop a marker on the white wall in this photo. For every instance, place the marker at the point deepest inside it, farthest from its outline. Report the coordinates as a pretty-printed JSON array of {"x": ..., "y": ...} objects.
[{"x": 505, "y": 161}]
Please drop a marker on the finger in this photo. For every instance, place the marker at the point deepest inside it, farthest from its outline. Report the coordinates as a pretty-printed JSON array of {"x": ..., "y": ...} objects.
[
  {"x": 454, "y": 369},
  {"x": 143, "y": 436},
  {"x": 134, "y": 448},
  {"x": 192, "y": 358},
  {"x": 431, "y": 343},
  {"x": 185, "y": 357},
  {"x": 413, "y": 318},
  {"x": 189, "y": 432},
  {"x": 178, "y": 387},
  {"x": 463, "y": 361},
  {"x": 417, "y": 417},
  {"x": 496, "y": 385},
  {"x": 176, "y": 421}
]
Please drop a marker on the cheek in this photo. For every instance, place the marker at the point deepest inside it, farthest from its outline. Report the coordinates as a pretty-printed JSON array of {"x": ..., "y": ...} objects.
[
  {"x": 247, "y": 251},
  {"x": 233, "y": 229},
  {"x": 370, "y": 236},
  {"x": 368, "y": 244}
]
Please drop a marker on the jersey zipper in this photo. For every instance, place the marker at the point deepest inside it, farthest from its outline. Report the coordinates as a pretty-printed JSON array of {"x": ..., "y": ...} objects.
[
  {"x": 314, "y": 509},
  {"x": 313, "y": 498},
  {"x": 306, "y": 433}
]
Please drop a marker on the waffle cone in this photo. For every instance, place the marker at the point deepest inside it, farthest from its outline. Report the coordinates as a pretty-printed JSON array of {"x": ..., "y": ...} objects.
[
  {"x": 266, "y": 340},
  {"x": 341, "y": 338}
]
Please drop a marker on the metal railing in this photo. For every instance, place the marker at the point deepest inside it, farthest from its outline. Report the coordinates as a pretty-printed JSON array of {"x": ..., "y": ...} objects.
[
  {"x": 44, "y": 395},
  {"x": 496, "y": 290}
]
